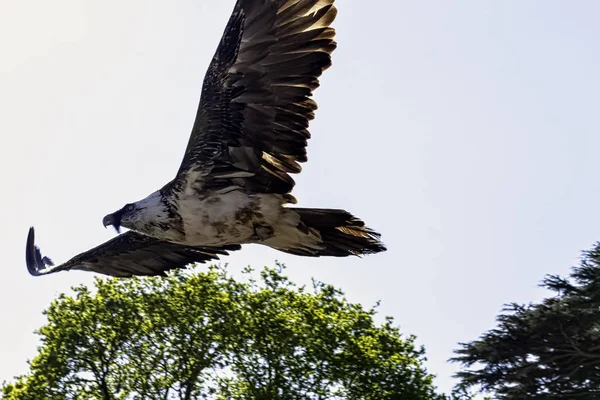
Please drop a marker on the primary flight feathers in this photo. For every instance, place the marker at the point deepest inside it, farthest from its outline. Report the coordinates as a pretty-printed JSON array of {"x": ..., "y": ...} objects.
[
  {"x": 250, "y": 133},
  {"x": 126, "y": 255}
]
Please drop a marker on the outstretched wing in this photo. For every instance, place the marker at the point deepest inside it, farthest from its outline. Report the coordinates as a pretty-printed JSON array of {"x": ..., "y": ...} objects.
[
  {"x": 251, "y": 128},
  {"x": 126, "y": 255}
]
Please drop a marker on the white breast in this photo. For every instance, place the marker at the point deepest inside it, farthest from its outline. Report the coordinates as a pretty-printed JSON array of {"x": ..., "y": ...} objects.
[{"x": 223, "y": 218}]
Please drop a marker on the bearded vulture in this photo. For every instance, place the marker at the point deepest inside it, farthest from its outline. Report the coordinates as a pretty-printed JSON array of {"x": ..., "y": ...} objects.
[{"x": 249, "y": 135}]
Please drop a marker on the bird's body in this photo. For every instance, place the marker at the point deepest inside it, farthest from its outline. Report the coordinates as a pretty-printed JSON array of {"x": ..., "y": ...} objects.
[
  {"x": 213, "y": 219},
  {"x": 222, "y": 218},
  {"x": 234, "y": 185}
]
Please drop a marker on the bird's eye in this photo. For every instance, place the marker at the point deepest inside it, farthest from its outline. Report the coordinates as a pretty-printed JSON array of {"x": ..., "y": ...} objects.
[{"x": 130, "y": 207}]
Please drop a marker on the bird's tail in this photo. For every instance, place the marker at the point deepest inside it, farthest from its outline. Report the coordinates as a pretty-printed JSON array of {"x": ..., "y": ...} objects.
[{"x": 342, "y": 234}]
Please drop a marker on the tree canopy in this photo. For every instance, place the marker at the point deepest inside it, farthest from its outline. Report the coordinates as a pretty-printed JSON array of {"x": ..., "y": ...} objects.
[
  {"x": 205, "y": 335},
  {"x": 544, "y": 351}
]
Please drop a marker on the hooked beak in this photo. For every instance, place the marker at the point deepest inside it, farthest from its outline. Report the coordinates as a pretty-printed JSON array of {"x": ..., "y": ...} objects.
[{"x": 114, "y": 220}]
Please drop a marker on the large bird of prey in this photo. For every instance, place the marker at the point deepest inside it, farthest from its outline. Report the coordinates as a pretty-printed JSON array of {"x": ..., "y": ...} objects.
[{"x": 250, "y": 133}]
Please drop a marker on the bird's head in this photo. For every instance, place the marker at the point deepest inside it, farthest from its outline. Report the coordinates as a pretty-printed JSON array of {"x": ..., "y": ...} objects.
[
  {"x": 126, "y": 217},
  {"x": 141, "y": 216}
]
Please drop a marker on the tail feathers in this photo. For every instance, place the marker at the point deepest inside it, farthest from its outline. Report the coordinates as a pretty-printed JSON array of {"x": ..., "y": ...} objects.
[{"x": 342, "y": 234}]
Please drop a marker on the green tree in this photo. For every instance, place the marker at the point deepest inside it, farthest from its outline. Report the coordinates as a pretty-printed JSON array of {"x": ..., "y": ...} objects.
[
  {"x": 549, "y": 350},
  {"x": 208, "y": 336}
]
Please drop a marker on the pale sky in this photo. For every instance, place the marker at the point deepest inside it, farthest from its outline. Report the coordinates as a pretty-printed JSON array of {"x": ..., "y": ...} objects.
[{"x": 466, "y": 132}]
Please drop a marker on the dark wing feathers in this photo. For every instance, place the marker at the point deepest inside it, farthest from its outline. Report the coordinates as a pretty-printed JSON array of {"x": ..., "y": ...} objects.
[
  {"x": 251, "y": 128},
  {"x": 126, "y": 255}
]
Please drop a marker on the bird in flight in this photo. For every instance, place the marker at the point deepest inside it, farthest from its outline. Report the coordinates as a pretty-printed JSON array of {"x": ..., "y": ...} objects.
[{"x": 250, "y": 133}]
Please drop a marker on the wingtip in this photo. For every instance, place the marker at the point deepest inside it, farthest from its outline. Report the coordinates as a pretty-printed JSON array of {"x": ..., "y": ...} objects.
[{"x": 36, "y": 263}]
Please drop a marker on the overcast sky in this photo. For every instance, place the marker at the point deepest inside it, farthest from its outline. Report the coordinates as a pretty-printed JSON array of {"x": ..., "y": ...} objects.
[{"x": 466, "y": 132}]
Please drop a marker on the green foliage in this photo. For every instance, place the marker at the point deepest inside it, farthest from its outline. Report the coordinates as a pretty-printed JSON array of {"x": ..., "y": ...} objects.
[
  {"x": 208, "y": 336},
  {"x": 544, "y": 351}
]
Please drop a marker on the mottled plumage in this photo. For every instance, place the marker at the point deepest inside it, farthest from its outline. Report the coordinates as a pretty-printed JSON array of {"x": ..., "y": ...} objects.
[{"x": 250, "y": 133}]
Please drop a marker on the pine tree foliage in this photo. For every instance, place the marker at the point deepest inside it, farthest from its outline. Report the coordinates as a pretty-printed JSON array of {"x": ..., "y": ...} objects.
[{"x": 544, "y": 351}]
